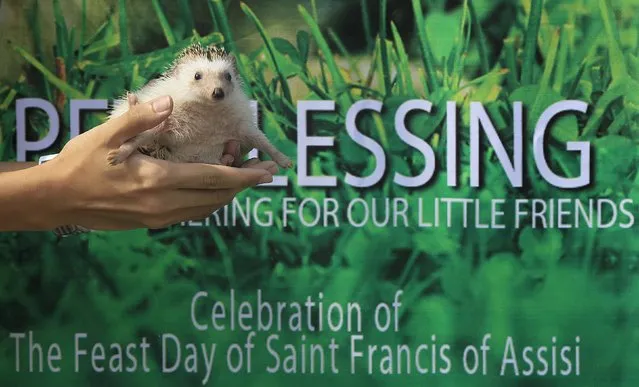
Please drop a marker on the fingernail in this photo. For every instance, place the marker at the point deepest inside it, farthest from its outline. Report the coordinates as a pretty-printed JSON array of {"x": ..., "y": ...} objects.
[
  {"x": 162, "y": 104},
  {"x": 266, "y": 179}
]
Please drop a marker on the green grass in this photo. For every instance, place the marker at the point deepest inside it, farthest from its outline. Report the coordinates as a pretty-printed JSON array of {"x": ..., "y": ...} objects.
[
  {"x": 164, "y": 23},
  {"x": 459, "y": 282}
]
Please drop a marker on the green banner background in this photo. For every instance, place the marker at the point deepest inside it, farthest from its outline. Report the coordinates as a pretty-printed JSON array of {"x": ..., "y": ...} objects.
[{"x": 575, "y": 285}]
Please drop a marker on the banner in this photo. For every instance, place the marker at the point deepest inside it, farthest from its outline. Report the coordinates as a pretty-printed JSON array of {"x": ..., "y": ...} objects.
[{"x": 461, "y": 209}]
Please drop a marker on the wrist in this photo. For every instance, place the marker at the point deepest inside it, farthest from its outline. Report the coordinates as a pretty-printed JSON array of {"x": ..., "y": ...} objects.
[
  {"x": 51, "y": 192},
  {"x": 10, "y": 166},
  {"x": 21, "y": 201},
  {"x": 43, "y": 201},
  {"x": 35, "y": 199}
]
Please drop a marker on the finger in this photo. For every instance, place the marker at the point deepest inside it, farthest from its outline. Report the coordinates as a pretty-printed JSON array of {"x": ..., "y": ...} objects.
[
  {"x": 232, "y": 148},
  {"x": 269, "y": 166},
  {"x": 237, "y": 163},
  {"x": 180, "y": 200},
  {"x": 137, "y": 119},
  {"x": 171, "y": 207},
  {"x": 201, "y": 206},
  {"x": 250, "y": 162},
  {"x": 206, "y": 176},
  {"x": 227, "y": 160},
  {"x": 194, "y": 214},
  {"x": 239, "y": 159}
]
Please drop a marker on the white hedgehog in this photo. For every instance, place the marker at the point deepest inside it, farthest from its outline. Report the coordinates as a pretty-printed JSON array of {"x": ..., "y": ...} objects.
[{"x": 209, "y": 109}]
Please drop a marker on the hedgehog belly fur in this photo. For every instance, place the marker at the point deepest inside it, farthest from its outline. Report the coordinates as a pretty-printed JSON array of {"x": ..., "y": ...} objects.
[
  {"x": 195, "y": 131},
  {"x": 198, "y": 132}
]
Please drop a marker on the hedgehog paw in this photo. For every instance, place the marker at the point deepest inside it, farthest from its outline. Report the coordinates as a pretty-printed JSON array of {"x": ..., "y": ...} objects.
[
  {"x": 117, "y": 156},
  {"x": 284, "y": 162}
]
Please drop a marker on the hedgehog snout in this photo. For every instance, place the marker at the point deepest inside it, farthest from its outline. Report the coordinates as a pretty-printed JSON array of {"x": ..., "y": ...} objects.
[{"x": 218, "y": 93}]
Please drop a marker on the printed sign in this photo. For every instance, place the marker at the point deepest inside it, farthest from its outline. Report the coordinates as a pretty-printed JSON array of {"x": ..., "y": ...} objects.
[{"x": 461, "y": 209}]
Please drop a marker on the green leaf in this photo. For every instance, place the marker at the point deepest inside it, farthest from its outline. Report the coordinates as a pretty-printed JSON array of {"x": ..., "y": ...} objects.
[
  {"x": 615, "y": 158},
  {"x": 565, "y": 128},
  {"x": 336, "y": 75},
  {"x": 67, "y": 89},
  {"x": 186, "y": 14},
  {"x": 303, "y": 45},
  {"x": 530, "y": 42},
  {"x": 425, "y": 47},
  {"x": 271, "y": 50},
  {"x": 633, "y": 66},
  {"x": 404, "y": 65},
  {"x": 164, "y": 23},
  {"x": 287, "y": 67},
  {"x": 483, "y": 43},
  {"x": 62, "y": 32},
  {"x": 616, "y": 57},
  {"x": 437, "y": 312},
  {"x": 286, "y": 48},
  {"x": 441, "y": 25},
  {"x": 383, "y": 47},
  {"x": 150, "y": 63},
  {"x": 541, "y": 245},
  {"x": 456, "y": 277},
  {"x": 498, "y": 275},
  {"x": 361, "y": 248},
  {"x": 436, "y": 242},
  {"x": 124, "y": 30}
]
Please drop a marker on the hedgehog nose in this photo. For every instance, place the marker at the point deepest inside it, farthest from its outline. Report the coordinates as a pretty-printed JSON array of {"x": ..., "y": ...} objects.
[{"x": 218, "y": 93}]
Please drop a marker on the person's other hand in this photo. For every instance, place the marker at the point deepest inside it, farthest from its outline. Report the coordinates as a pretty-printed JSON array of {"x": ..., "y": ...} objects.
[{"x": 142, "y": 191}]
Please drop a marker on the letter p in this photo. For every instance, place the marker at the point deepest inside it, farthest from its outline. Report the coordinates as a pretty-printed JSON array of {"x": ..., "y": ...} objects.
[{"x": 23, "y": 145}]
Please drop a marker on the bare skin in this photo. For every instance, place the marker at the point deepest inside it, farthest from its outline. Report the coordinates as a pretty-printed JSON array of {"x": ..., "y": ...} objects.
[
  {"x": 79, "y": 187},
  {"x": 16, "y": 166}
]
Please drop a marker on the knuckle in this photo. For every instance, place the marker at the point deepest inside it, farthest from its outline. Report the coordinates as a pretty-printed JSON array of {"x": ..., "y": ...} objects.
[
  {"x": 152, "y": 206},
  {"x": 227, "y": 197},
  {"x": 152, "y": 176},
  {"x": 134, "y": 115},
  {"x": 155, "y": 178},
  {"x": 219, "y": 197},
  {"x": 147, "y": 184},
  {"x": 211, "y": 181},
  {"x": 161, "y": 174}
]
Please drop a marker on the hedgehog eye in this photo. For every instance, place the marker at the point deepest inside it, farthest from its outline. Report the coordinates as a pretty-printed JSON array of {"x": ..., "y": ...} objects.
[
  {"x": 198, "y": 76},
  {"x": 228, "y": 76}
]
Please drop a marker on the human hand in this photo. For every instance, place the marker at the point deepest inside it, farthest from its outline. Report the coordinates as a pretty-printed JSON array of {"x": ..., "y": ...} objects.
[
  {"x": 233, "y": 154},
  {"x": 142, "y": 191}
]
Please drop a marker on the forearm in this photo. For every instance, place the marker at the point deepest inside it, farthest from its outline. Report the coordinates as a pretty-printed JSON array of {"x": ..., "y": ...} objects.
[
  {"x": 15, "y": 166},
  {"x": 26, "y": 200}
]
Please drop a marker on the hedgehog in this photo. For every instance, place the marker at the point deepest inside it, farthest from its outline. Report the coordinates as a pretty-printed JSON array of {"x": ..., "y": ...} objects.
[{"x": 210, "y": 108}]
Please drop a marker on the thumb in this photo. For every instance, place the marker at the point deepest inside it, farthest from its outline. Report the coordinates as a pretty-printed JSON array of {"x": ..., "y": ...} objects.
[{"x": 138, "y": 118}]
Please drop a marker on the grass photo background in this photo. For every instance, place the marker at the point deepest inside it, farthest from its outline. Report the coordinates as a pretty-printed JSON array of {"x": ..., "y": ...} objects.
[{"x": 459, "y": 283}]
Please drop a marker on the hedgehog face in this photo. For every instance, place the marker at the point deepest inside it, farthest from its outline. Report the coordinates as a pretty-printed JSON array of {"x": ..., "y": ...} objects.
[
  {"x": 214, "y": 81},
  {"x": 210, "y": 74}
]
